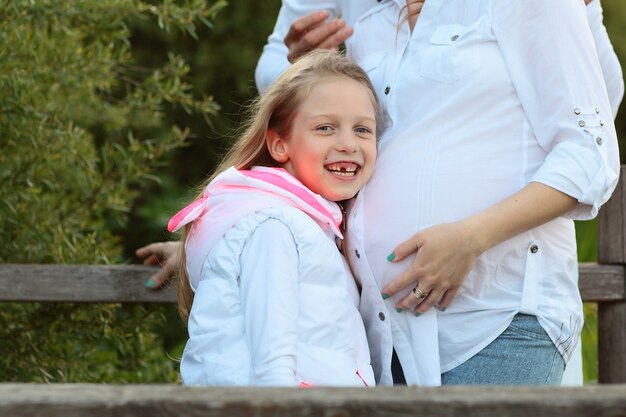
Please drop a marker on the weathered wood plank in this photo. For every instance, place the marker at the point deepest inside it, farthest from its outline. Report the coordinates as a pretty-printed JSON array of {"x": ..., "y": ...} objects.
[
  {"x": 80, "y": 283},
  {"x": 612, "y": 342},
  {"x": 601, "y": 282},
  {"x": 126, "y": 283},
  {"x": 20, "y": 400}
]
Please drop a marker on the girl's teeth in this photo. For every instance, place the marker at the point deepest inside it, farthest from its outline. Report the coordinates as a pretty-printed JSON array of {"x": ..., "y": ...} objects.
[
  {"x": 341, "y": 169},
  {"x": 343, "y": 173}
]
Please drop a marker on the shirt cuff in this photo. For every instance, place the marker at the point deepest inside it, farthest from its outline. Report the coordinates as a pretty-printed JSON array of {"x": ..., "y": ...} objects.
[{"x": 580, "y": 173}]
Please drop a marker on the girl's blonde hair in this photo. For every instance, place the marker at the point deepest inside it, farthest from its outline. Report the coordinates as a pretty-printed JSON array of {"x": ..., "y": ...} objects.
[{"x": 275, "y": 110}]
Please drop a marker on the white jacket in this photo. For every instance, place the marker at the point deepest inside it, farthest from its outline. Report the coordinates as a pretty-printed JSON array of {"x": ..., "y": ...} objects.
[{"x": 275, "y": 303}]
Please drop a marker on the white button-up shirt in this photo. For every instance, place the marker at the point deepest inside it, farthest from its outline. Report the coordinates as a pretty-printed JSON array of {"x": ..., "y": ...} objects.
[{"x": 483, "y": 97}]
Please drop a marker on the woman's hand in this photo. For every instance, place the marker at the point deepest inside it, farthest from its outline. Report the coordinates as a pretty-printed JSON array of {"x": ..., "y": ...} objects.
[
  {"x": 165, "y": 254},
  {"x": 313, "y": 32},
  {"x": 446, "y": 252},
  {"x": 444, "y": 255}
]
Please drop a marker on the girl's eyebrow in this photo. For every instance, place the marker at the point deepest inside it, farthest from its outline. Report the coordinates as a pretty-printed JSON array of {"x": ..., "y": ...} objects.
[{"x": 363, "y": 117}]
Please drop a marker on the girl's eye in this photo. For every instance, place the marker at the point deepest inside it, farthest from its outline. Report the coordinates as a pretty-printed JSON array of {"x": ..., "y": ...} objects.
[
  {"x": 324, "y": 128},
  {"x": 362, "y": 130}
]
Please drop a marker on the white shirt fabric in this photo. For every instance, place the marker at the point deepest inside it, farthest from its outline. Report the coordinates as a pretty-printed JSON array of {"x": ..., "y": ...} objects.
[
  {"x": 611, "y": 68},
  {"x": 483, "y": 97},
  {"x": 275, "y": 303}
]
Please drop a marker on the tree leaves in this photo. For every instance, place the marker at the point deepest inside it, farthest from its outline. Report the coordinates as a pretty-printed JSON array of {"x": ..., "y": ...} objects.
[{"x": 81, "y": 124}]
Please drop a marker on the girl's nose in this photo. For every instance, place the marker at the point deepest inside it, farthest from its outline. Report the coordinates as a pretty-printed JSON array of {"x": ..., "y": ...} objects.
[{"x": 346, "y": 142}]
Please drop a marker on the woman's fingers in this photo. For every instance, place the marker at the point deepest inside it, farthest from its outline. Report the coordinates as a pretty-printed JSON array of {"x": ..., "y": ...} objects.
[
  {"x": 160, "y": 253},
  {"x": 158, "y": 249},
  {"x": 302, "y": 25},
  {"x": 416, "y": 298},
  {"x": 444, "y": 254},
  {"x": 313, "y": 32},
  {"x": 405, "y": 248},
  {"x": 153, "y": 260},
  {"x": 406, "y": 279},
  {"x": 164, "y": 275},
  {"x": 409, "y": 277}
]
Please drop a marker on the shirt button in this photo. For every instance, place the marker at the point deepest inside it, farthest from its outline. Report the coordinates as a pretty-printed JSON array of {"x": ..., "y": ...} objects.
[
  {"x": 387, "y": 90},
  {"x": 581, "y": 123},
  {"x": 597, "y": 110},
  {"x": 601, "y": 122},
  {"x": 534, "y": 249},
  {"x": 381, "y": 316},
  {"x": 599, "y": 140},
  {"x": 576, "y": 111},
  {"x": 356, "y": 252},
  {"x": 454, "y": 38}
]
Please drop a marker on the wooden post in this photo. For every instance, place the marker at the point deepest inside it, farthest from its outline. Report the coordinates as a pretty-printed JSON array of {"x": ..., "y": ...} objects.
[{"x": 612, "y": 315}]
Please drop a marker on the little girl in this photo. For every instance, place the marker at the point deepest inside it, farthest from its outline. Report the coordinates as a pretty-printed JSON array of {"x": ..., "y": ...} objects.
[{"x": 268, "y": 296}]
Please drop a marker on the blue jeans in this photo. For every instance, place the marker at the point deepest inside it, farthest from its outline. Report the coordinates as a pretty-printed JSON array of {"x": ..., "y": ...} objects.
[{"x": 522, "y": 355}]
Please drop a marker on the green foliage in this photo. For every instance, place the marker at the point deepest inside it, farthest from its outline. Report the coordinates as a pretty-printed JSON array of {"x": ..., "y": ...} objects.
[
  {"x": 222, "y": 63},
  {"x": 81, "y": 125},
  {"x": 587, "y": 237}
]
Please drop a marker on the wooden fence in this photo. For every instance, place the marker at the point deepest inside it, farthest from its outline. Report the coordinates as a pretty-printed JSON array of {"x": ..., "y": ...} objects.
[
  {"x": 86, "y": 400},
  {"x": 603, "y": 282}
]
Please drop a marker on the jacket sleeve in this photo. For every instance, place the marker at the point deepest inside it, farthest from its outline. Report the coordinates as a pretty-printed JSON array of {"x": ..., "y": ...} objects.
[
  {"x": 273, "y": 60},
  {"x": 551, "y": 57},
  {"x": 611, "y": 68},
  {"x": 269, "y": 294}
]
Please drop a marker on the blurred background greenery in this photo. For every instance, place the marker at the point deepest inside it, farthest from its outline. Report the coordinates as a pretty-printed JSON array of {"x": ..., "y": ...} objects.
[{"x": 148, "y": 95}]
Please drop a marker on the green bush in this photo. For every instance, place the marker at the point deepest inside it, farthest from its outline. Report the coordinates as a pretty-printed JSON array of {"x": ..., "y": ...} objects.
[{"x": 81, "y": 125}]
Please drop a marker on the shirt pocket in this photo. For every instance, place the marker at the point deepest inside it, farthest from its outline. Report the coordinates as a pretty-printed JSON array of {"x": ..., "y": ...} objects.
[{"x": 451, "y": 53}]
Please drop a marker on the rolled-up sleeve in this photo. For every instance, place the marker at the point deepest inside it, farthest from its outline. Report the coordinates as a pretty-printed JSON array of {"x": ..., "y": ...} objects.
[
  {"x": 274, "y": 61},
  {"x": 551, "y": 57},
  {"x": 269, "y": 293}
]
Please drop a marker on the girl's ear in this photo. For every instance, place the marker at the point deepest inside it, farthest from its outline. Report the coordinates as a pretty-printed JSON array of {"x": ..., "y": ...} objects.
[{"x": 277, "y": 146}]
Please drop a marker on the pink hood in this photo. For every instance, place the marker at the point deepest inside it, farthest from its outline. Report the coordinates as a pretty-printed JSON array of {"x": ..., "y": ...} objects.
[{"x": 232, "y": 195}]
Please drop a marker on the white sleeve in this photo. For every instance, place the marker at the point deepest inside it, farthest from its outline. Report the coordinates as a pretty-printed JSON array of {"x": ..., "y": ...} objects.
[
  {"x": 273, "y": 60},
  {"x": 551, "y": 57},
  {"x": 269, "y": 294},
  {"x": 611, "y": 68}
]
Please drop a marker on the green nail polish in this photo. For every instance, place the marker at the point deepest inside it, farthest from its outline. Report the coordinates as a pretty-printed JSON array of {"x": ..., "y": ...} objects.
[
  {"x": 150, "y": 283},
  {"x": 399, "y": 310},
  {"x": 418, "y": 314},
  {"x": 391, "y": 257},
  {"x": 443, "y": 309},
  {"x": 385, "y": 296}
]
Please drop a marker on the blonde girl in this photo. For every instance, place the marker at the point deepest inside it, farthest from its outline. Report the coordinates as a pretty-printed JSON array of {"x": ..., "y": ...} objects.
[{"x": 267, "y": 294}]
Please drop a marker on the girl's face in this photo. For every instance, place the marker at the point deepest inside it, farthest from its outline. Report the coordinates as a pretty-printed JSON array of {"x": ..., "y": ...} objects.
[{"x": 331, "y": 146}]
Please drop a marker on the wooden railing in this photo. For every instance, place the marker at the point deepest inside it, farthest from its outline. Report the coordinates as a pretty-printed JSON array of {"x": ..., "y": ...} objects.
[
  {"x": 87, "y": 400},
  {"x": 603, "y": 282}
]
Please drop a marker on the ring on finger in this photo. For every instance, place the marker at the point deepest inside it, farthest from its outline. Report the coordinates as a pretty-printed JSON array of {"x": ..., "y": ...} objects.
[{"x": 419, "y": 294}]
